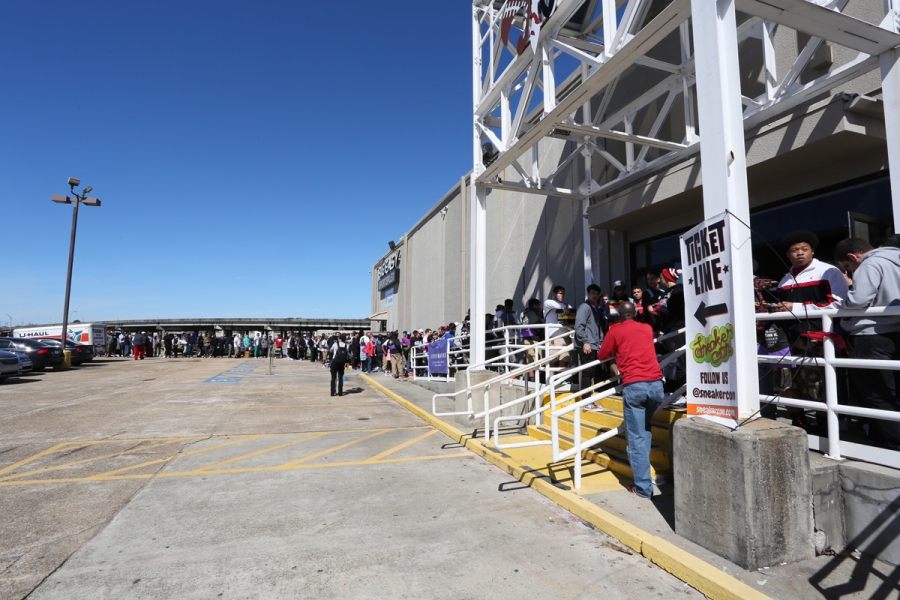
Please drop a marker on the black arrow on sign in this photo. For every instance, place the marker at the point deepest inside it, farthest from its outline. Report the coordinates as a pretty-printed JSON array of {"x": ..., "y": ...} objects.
[{"x": 704, "y": 311}]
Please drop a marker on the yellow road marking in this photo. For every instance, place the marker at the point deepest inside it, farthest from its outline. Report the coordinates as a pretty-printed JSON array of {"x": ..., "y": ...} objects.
[
  {"x": 336, "y": 448},
  {"x": 399, "y": 447},
  {"x": 258, "y": 452},
  {"x": 24, "y": 462},
  {"x": 194, "y": 473},
  {"x": 169, "y": 458},
  {"x": 255, "y": 406},
  {"x": 87, "y": 460}
]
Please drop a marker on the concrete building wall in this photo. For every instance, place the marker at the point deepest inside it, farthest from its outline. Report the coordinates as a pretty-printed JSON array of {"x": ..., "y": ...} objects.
[{"x": 534, "y": 243}]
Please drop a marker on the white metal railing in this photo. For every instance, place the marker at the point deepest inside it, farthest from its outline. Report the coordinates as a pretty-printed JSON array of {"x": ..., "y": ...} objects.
[
  {"x": 833, "y": 446},
  {"x": 574, "y": 405},
  {"x": 457, "y": 358},
  {"x": 553, "y": 352},
  {"x": 508, "y": 346}
]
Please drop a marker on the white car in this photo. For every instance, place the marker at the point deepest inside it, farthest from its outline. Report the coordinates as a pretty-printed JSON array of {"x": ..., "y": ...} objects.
[{"x": 11, "y": 365}]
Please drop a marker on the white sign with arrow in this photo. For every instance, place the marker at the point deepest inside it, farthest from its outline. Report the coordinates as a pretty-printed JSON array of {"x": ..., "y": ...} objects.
[{"x": 710, "y": 364}]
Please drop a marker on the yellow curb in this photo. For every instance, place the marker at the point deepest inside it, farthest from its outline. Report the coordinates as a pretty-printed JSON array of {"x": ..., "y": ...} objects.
[{"x": 694, "y": 571}]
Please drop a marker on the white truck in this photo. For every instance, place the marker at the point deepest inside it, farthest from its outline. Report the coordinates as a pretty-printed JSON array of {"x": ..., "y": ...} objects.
[{"x": 93, "y": 334}]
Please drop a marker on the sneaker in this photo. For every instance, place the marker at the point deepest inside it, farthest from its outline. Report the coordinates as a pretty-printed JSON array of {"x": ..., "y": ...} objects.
[
  {"x": 594, "y": 408},
  {"x": 634, "y": 491}
]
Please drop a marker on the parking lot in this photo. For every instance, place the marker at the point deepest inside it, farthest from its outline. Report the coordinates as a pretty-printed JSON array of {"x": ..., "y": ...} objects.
[{"x": 211, "y": 478}]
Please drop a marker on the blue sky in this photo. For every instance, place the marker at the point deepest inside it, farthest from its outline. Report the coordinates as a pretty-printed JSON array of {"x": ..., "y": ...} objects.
[{"x": 253, "y": 158}]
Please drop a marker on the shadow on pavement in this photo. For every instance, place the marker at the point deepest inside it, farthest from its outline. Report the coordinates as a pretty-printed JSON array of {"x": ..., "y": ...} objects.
[{"x": 869, "y": 544}]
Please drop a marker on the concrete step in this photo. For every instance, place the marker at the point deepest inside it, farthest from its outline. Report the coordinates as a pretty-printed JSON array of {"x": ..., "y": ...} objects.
[
  {"x": 613, "y": 461},
  {"x": 618, "y": 445},
  {"x": 600, "y": 422}
]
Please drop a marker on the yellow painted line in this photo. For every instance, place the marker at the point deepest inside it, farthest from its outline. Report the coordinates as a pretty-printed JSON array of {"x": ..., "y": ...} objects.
[
  {"x": 217, "y": 446},
  {"x": 194, "y": 473},
  {"x": 694, "y": 571},
  {"x": 87, "y": 460},
  {"x": 261, "y": 406},
  {"x": 399, "y": 447},
  {"x": 102, "y": 476},
  {"x": 24, "y": 462},
  {"x": 336, "y": 448},
  {"x": 259, "y": 452}
]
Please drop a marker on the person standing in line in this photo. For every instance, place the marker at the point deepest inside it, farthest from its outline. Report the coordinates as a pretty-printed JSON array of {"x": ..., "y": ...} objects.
[
  {"x": 876, "y": 282},
  {"x": 124, "y": 349},
  {"x": 264, "y": 346},
  {"x": 632, "y": 345},
  {"x": 589, "y": 336},
  {"x": 340, "y": 354},
  {"x": 554, "y": 307},
  {"x": 138, "y": 345}
]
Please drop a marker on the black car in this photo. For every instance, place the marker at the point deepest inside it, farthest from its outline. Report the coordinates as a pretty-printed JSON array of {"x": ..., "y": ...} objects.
[
  {"x": 41, "y": 355},
  {"x": 81, "y": 353}
]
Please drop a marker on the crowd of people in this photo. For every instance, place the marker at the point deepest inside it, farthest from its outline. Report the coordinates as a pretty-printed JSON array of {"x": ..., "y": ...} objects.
[{"x": 623, "y": 326}]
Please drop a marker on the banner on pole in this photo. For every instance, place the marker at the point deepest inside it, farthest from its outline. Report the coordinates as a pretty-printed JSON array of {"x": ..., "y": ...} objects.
[
  {"x": 437, "y": 357},
  {"x": 709, "y": 318}
]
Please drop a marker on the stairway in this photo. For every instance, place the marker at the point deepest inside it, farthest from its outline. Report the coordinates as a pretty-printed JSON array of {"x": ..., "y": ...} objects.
[{"x": 612, "y": 454}]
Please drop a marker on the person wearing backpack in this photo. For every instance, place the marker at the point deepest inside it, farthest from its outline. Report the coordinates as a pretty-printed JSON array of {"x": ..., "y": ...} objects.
[
  {"x": 395, "y": 348},
  {"x": 340, "y": 355}
]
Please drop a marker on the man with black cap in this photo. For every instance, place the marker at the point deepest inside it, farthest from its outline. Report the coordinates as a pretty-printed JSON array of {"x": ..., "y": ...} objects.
[{"x": 808, "y": 287}]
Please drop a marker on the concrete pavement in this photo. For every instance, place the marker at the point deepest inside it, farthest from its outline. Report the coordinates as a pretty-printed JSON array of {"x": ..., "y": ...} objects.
[{"x": 210, "y": 478}]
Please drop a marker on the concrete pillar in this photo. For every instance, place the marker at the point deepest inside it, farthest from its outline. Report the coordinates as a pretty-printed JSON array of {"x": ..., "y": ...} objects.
[
  {"x": 463, "y": 380},
  {"x": 744, "y": 494}
]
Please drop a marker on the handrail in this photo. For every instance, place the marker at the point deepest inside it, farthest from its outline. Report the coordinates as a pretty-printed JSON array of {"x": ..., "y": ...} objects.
[
  {"x": 552, "y": 387},
  {"x": 579, "y": 446},
  {"x": 499, "y": 377},
  {"x": 829, "y": 362}
]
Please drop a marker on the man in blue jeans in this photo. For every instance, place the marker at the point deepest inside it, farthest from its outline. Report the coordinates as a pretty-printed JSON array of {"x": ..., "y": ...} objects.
[{"x": 632, "y": 345}]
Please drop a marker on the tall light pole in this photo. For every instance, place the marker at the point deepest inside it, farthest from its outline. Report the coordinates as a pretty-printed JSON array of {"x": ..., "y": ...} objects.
[
  {"x": 76, "y": 200},
  {"x": 10, "y": 319}
]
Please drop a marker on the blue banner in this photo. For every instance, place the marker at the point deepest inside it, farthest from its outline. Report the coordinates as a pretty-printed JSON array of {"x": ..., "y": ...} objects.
[{"x": 437, "y": 357}]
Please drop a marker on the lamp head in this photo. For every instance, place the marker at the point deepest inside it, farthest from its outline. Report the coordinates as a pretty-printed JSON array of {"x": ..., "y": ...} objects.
[
  {"x": 91, "y": 201},
  {"x": 74, "y": 182},
  {"x": 61, "y": 199},
  {"x": 392, "y": 245},
  {"x": 87, "y": 190}
]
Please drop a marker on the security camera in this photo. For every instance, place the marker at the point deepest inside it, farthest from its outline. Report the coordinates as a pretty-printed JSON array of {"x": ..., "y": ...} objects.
[
  {"x": 74, "y": 182},
  {"x": 87, "y": 190}
]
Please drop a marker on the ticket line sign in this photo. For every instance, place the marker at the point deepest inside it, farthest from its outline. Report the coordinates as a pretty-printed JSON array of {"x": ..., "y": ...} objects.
[{"x": 709, "y": 298}]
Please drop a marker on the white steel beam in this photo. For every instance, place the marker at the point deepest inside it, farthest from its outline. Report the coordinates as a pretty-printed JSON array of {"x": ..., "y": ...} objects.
[
  {"x": 823, "y": 22},
  {"x": 668, "y": 20},
  {"x": 724, "y": 168},
  {"x": 519, "y": 63},
  {"x": 630, "y": 138},
  {"x": 478, "y": 228},
  {"x": 890, "y": 87},
  {"x": 545, "y": 190}
]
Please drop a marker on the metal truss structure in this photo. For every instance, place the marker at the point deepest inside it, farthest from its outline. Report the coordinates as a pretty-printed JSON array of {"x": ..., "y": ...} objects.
[{"x": 626, "y": 80}]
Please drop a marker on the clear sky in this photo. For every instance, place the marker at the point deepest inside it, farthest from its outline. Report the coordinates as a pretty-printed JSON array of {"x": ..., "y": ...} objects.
[{"x": 253, "y": 158}]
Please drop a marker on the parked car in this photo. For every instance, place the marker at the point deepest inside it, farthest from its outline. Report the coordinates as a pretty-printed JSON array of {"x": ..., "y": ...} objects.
[
  {"x": 10, "y": 365},
  {"x": 41, "y": 355},
  {"x": 81, "y": 353}
]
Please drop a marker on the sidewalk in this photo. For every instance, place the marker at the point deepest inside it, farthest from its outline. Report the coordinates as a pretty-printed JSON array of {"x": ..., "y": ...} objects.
[{"x": 648, "y": 527}]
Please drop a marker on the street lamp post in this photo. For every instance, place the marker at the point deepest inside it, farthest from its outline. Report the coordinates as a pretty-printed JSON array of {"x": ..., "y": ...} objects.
[{"x": 76, "y": 200}]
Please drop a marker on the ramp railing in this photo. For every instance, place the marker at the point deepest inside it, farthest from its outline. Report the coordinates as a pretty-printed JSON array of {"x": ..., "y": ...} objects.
[{"x": 832, "y": 445}]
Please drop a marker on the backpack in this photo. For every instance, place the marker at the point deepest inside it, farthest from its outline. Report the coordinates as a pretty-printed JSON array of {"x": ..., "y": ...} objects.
[{"x": 340, "y": 355}]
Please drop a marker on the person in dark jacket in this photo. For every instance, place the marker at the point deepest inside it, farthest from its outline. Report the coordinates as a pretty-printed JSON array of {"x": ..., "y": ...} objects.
[{"x": 589, "y": 336}]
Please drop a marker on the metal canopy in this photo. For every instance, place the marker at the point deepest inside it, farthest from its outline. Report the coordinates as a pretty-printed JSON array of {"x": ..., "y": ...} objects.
[
  {"x": 622, "y": 80},
  {"x": 519, "y": 99}
]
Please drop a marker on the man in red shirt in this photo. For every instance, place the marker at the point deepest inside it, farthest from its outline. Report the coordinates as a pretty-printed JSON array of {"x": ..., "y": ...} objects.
[{"x": 632, "y": 344}]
